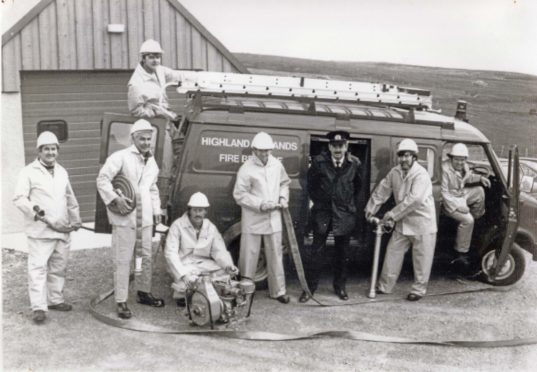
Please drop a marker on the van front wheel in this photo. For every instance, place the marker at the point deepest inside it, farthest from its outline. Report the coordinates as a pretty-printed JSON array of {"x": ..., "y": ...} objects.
[
  {"x": 510, "y": 273},
  {"x": 261, "y": 274}
]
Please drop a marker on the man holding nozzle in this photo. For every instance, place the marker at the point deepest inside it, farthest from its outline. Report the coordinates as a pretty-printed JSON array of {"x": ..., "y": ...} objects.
[
  {"x": 414, "y": 217},
  {"x": 45, "y": 197},
  {"x": 262, "y": 189},
  {"x": 132, "y": 227},
  {"x": 333, "y": 186},
  {"x": 195, "y": 247}
]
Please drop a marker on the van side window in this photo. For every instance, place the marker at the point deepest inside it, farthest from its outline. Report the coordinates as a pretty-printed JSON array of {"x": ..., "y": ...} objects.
[
  {"x": 58, "y": 127},
  {"x": 224, "y": 151},
  {"x": 119, "y": 137},
  {"x": 426, "y": 158},
  {"x": 477, "y": 157}
]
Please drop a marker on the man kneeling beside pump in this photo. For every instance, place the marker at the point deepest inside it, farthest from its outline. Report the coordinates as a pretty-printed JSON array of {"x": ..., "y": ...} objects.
[{"x": 195, "y": 247}]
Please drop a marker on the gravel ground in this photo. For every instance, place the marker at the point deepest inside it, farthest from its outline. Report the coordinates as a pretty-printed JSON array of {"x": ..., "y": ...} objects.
[{"x": 77, "y": 341}]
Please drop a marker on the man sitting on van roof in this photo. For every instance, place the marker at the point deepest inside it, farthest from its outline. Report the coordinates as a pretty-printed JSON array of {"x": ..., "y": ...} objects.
[
  {"x": 463, "y": 203},
  {"x": 195, "y": 247}
]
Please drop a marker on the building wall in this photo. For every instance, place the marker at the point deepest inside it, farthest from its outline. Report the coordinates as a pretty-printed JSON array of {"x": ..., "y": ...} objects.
[
  {"x": 12, "y": 159},
  {"x": 73, "y": 35}
]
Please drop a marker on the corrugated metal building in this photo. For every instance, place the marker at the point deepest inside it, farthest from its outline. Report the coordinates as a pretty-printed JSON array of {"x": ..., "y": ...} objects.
[{"x": 71, "y": 62}]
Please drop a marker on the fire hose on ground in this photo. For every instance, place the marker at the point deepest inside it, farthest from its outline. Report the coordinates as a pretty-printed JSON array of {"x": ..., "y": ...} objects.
[{"x": 136, "y": 325}]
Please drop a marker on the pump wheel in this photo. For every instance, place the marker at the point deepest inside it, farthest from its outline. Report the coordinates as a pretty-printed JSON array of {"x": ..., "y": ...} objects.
[{"x": 510, "y": 273}]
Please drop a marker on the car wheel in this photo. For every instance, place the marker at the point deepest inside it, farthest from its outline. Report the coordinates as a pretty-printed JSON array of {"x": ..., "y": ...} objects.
[{"x": 510, "y": 273}]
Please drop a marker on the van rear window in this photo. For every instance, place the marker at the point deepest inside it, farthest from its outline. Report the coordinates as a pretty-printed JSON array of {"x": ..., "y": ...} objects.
[{"x": 225, "y": 151}]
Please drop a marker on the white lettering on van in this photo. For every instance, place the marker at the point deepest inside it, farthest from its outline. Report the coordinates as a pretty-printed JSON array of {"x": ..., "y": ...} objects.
[
  {"x": 228, "y": 158},
  {"x": 225, "y": 142},
  {"x": 286, "y": 146}
]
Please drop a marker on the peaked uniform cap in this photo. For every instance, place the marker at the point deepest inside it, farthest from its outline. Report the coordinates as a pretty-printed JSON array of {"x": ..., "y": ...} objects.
[{"x": 338, "y": 136}]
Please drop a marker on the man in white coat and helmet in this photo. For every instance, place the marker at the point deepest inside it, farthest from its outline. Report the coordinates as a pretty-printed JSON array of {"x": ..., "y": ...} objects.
[
  {"x": 132, "y": 227},
  {"x": 463, "y": 199},
  {"x": 262, "y": 189},
  {"x": 414, "y": 216},
  {"x": 45, "y": 196},
  {"x": 195, "y": 247}
]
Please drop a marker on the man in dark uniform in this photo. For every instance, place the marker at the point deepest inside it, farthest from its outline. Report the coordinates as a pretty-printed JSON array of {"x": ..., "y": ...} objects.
[{"x": 333, "y": 186}]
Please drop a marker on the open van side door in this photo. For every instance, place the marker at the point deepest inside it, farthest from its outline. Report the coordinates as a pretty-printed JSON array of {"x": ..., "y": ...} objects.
[
  {"x": 513, "y": 183},
  {"x": 115, "y": 136}
]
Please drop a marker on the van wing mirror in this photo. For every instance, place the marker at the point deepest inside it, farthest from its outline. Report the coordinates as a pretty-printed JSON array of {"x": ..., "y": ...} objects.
[{"x": 528, "y": 184}]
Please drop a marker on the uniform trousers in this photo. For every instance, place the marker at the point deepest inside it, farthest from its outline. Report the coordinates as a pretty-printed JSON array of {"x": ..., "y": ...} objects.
[
  {"x": 422, "y": 260},
  {"x": 475, "y": 199},
  {"x": 123, "y": 242},
  {"x": 249, "y": 256},
  {"x": 314, "y": 260},
  {"x": 47, "y": 261}
]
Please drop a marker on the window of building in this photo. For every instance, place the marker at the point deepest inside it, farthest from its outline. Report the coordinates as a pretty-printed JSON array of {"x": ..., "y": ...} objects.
[{"x": 58, "y": 127}]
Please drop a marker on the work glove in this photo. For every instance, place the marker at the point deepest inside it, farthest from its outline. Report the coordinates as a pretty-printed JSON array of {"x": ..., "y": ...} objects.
[
  {"x": 123, "y": 205},
  {"x": 232, "y": 270},
  {"x": 267, "y": 206},
  {"x": 190, "y": 280},
  {"x": 463, "y": 209},
  {"x": 485, "y": 182},
  {"x": 283, "y": 203}
]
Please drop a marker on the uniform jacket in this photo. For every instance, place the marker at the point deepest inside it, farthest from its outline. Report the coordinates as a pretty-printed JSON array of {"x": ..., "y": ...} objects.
[
  {"x": 334, "y": 193},
  {"x": 184, "y": 249},
  {"x": 453, "y": 184},
  {"x": 414, "y": 212},
  {"x": 257, "y": 183},
  {"x": 53, "y": 194},
  {"x": 146, "y": 89},
  {"x": 143, "y": 177}
]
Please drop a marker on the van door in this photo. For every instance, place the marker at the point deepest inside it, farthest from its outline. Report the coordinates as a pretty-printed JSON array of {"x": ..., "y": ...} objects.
[
  {"x": 512, "y": 212},
  {"x": 115, "y": 136}
]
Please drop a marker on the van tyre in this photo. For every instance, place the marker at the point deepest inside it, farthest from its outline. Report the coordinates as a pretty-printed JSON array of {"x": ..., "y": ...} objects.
[{"x": 512, "y": 270}]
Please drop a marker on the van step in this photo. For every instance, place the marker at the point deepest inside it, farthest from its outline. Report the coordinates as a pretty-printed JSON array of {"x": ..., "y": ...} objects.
[{"x": 302, "y": 87}]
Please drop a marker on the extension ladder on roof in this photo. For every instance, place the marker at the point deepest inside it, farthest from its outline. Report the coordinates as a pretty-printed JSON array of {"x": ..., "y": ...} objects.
[{"x": 282, "y": 86}]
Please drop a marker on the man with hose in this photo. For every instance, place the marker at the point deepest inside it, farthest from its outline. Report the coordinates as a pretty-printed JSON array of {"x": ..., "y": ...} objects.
[{"x": 132, "y": 226}]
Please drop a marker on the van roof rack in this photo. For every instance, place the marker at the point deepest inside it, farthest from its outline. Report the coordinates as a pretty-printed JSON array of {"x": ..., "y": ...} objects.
[{"x": 302, "y": 87}]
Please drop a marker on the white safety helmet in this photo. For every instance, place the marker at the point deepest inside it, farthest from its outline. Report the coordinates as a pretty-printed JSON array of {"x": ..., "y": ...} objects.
[
  {"x": 262, "y": 141},
  {"x": 459, "y": 149},
  {"x": 198, "y": 200},
  {"x": 47, "y": 138},
  {"x": 140, "y": 126},
  {"x": 407, "y": 145},
  {"x": 151, "y": 46}
]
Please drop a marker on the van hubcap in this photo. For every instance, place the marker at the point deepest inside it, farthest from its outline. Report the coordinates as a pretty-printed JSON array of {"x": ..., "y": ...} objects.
[{"x": 489, "y": 260}]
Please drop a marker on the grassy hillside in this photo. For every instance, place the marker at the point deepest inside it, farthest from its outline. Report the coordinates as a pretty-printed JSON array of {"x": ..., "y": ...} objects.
[{"x": 498, "y": 102}]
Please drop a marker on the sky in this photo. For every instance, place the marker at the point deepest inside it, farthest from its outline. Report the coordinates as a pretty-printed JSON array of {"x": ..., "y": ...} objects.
[{"x": 473, "y": 34}]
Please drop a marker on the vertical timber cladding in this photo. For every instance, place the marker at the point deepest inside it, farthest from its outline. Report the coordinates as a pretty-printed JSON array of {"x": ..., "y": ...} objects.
[{"x": 79, "y": 98}]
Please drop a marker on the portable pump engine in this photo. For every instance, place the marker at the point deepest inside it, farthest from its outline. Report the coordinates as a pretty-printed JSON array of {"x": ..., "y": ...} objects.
[{"x": 219, "y": 301}]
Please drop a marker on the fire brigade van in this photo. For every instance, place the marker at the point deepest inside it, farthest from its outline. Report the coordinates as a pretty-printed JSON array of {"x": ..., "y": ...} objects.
[{"x": 218, "y": 124}]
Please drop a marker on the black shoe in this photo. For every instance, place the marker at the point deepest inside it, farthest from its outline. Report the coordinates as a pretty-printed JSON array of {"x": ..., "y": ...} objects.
[
  {"x": 341, "y": 293},
  {"x": 304, "y": 297},
  {"x": 39, "y": 316},
  {"x": 146, "y": 298},
  {"x": 61, "y": 307},
  {"x": 462, "y": 263},
  {"x": 180, "y": 302},
  {"x": 413, "y": 297},
  {"x": 284, "y": 299},
  {"x": 123, "y": 311}
]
